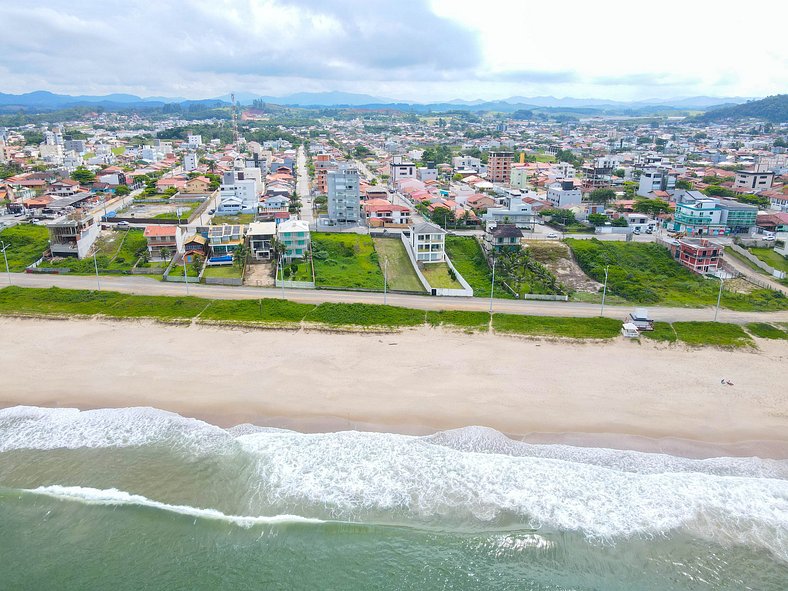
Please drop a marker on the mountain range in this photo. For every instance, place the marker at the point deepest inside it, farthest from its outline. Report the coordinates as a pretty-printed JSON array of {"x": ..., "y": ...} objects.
[{"x": 43, "y": 100}]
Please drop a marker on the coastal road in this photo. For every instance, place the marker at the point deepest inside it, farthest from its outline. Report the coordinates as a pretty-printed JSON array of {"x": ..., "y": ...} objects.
[
  {"x": 148, "y": 286},
  {"x": 302, "y": 186}
]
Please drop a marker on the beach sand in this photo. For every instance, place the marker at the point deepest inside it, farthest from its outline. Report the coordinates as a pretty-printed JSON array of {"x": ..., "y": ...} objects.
[{"x": 619, "y": 394}]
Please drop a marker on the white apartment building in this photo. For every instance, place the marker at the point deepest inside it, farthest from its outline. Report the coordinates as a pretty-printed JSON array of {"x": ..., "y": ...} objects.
[
  {"x": 655, "y": 179},
  {"x": 239, "y": 193},
  {"x": 753, "y": 181},
  {"x": 400, "y": 169},
  {"x": 564, "y": 194},
  {"x": 194, "y": 141},
  {"x": 344, "y": 196},
  {"x": 190, "y": 162}
]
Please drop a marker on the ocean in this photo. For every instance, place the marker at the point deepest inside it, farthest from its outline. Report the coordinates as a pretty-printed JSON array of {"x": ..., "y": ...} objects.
[{"x": 146, "y": 499}]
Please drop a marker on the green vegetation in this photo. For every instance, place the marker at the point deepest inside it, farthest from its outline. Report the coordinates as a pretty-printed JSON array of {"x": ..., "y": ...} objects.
[
  {"x": 645, "y": 273},
  {"x": 26, "y": 243},
  {"x": 365, "y": 315},
  {"x": 766, "y": 331},
  {"x": 118, "y": 151},
  {"x": 712, "y": 333},
  {"x": 467, "y": 257},
  {"x": 116, "y": 252},
  {"x": 241, "y": 218},
  {"x": 575, "y": 328},
  {"x": 264, "y": 310},
  {"x": 187, "y": 209},
  {"x": 297, "y": 270},
  {"x": 346, "y": 261},
  {"x": 223, "y": 272},
  {"x": 439, "y": 275},
  {"x": 459, "y": 318},
  {"x": 771, "y": 258},
  {"x": 401, "y": 274},
  {"x": 663, "y": 331}
]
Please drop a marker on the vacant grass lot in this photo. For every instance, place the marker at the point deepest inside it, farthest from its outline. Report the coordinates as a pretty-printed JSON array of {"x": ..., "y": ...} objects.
[
  {"x": 438, "y": 275},
  {"x": 712, "y": 333},
  {"x": 117, "y": 251},
  {"x": 346, "y": 261},
  {"x": 223, "y": 272},
  {"x": 575, "y": 328},
  {"x": 774, "y": 259},
  {"x": 467, "y": 257},
  {"x": 767, "y": 331},
  {"x": 233, "y": 220},
  {"x": 186, "y": 208},
  {"x": 401, "y": 274},
  {"x": 264, "y": 310},
  {"x": 26, "y": 243},
  {"x": 663, "y": 331},
  {"x": 365, "y": 315},
  {"x": 645, "y": 273}
]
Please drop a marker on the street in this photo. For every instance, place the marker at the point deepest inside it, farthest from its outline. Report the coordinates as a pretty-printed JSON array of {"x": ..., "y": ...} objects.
[{"x": 149, "y": 286}]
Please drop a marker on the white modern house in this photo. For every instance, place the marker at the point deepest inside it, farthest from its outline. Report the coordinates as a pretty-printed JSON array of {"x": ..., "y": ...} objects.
[
  {"x": 190, "y": 162},
  {"x": 401, "y": 169},
  {"x": 239, "y": 192},
  {"x": 515, "y": 211},
  {"x": 428, "y": 242},
  {"x": 72, "y": 235},
  {"x": 655, "y": 179},
  {"x": 295, "y": 236},
  {"x": 261, "y": 236}
]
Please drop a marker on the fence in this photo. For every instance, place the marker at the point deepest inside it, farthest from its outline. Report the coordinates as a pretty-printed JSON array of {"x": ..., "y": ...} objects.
[
  {"x": 757, "y": 262},
  {"x": 294, "y": 284}
]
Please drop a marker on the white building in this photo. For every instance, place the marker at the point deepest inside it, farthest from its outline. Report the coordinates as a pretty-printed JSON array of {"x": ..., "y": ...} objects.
[
  {"x": 190, "y": 162},
  {"x": 427, "y": 174},
  {"x": 519, "y": 178},
  {"x": 344, "y": 196},
  {"x": 564, "y": 194},
  {"x": 400, "y": 169},
  {"x": 466, "y": 163},
  {"x": 194, "y": 141},
  {"x": 428, "y": 242},
  {"x": 753, "y": 181},
  {"x": 655, "y": 179},
  {"x": 237, "y": 193},
  {"x": 295, "y": 236},
  {"x": 261, "y": 236},
  {"x": 72, "y": 235}
]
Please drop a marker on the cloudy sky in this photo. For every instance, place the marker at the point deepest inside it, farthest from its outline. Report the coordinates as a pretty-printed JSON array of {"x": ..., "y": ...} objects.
[{"x": 419, "y": 50}]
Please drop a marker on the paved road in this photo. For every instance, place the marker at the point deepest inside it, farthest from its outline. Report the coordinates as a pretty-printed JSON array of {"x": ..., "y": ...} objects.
[
  {"x": 302, "y": 186},
  {"x": 148, "y": 286}
]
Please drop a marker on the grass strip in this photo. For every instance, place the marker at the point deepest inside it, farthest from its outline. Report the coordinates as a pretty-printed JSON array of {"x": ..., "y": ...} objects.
[
  {"x": 712, "y": 333},
  {"x": 575, "y": 328},
  {"x": 458, "y": 318},
  {"x": 663, "y": 332},
  {"x": 365, "y": 315},
  {"x": 766, "y": 331}
]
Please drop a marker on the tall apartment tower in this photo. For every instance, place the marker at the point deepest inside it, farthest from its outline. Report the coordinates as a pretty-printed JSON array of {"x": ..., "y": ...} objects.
[
  {"x": 499, "y": 167},
  {"x": 344, "y": 196}
]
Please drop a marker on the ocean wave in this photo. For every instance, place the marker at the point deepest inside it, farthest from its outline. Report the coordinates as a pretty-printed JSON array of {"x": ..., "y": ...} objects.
[
  {"x": 115, "y": 497},
  {"x": 465, "y": 476}
]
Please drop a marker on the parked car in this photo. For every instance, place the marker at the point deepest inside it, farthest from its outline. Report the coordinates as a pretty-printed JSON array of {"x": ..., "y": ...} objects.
[
  {"x": 123, "y": 225},
  {"x": 211, "y": 211},
  {"x": 768, "y": 238},
  {"x": 552, "y": 235}
]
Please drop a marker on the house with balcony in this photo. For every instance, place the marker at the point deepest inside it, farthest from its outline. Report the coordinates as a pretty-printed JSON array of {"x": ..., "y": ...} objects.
[
  {"x": 224, "y": 240},
  {"x": 697, "y": 254},
  {"x": 502, "y": 237},
  {"x": 261, "y": 237},
  {"x": 428, "y": 242},
  {"x": 72, "y": 235},
  {"x": 163, "y": 241},
  {"x": 380, "y": 213},
  {"x": 699, "y": 217},
  {"x": 294, "y": 234},
  {"x": 516, "y": 211}
]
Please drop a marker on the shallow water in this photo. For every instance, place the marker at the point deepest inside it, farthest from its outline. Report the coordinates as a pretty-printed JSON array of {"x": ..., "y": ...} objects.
[{"x": 145, "y": 499}]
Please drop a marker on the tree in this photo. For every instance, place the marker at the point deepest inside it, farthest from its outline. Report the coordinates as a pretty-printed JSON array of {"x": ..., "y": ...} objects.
[
  {"x": 442, "y": 216},
  {"x": 619, "y": 172},
  {"x": 165, "y": 254},
  {"x": 561, "y": 216},
  {"x": 457, "y": 177},
  {"x": 601, "y": 195},
  {"x": 278, "y": 248},
  {"x": 620, "y": 222},
  {"x": 718, "y": 191},
  {"x": 597, "y": 219},
  {"x": 239, "y": 256},
  {"x": 652, "y": 207},
  {"x": 683, "y": 184},
  {"x": 569, "y": 157},
  {"x": 196, "y": 264},
  {"x": 83, "y": 176},
  {"x": 122, "y": 190}
]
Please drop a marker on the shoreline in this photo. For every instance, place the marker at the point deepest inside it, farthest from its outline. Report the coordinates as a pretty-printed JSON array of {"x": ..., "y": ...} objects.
[{"x": 620, "y": 395}]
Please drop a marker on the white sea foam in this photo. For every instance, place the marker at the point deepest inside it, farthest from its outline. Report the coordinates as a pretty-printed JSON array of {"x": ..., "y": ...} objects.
[
  {"x": 28, "y": 427},
  {"x": 115, "y": 497},
  {"x": 360, "y": 476}
]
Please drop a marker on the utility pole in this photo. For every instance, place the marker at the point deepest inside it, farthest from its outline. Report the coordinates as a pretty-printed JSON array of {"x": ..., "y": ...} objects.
[
  {"x": 5, "y": 256},
  {"x": 385, "y": 277},
  {"x": 492, "y": 283},
  {"x": 95, "y": 264},
  {"x": 282, "y": 265},
  {"x": 185, "y": 277},
  {"x": 604, "y": 292},
  {"x": 719, "y": 297}
]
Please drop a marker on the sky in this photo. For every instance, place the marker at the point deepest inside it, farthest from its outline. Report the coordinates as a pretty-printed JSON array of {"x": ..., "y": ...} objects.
[{"x": 415, "y": 50}]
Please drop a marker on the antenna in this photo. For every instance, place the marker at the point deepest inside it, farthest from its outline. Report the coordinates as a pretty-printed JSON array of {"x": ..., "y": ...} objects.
[{"x": 235, "y": 119}]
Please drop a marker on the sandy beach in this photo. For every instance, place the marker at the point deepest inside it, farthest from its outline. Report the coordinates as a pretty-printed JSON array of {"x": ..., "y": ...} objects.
[{"x": 621, "y": 394}]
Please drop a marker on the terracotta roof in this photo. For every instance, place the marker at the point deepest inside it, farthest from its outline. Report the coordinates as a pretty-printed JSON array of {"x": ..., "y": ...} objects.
[{"x": 160, "y": 231}]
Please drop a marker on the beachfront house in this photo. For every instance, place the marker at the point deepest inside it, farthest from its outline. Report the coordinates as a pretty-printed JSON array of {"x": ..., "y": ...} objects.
[
  {"x": 502, "y": 237},
  {"x": 294, "y": 234},
  {"x": 428, "y": 242},
  {"x": 261, "y": 236},
  {"x": 72, "y": 235},
  {"x": 163, "y": 241},
  {"x": 225, "y": 239}
]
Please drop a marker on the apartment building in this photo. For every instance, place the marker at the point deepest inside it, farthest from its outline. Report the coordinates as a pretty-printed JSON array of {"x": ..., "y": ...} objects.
[
  {"x": 499, "y": 167},
  {"x": 697, "y": 254},
  {"x": 400, "y": 169},
  {"x": 749, "y": 180},
  {"x": 344, "y": 195},
  {"x": 294, "y": 234},
  {"x": 564, "y": 194},
  {"x": 655, "y": 179}
]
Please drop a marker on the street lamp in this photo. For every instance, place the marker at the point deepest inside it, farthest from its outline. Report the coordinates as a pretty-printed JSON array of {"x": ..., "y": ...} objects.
[
  {"x": 385, "y": 277},
  {"x": 719, "y": 297},
  {"x": 95, "y": 264},
  {"x": 492, "y": 282},
  {"x": 5, "y": 256},
  {"x": 604, "y": 292},
  {"x": 185, "y": 277}
]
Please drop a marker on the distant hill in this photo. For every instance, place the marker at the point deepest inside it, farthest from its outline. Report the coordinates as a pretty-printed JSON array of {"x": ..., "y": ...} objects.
[{"x": 772, "y": 108}]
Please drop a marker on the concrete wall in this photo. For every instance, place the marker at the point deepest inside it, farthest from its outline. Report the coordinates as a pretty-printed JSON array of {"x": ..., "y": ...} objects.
[{"x": 757, "y": 262}]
